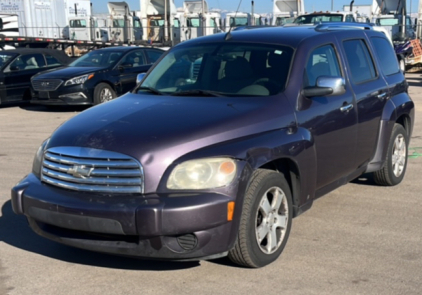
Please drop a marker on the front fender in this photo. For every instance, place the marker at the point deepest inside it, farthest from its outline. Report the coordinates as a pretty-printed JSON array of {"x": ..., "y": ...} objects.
[{"x": 258, "y": 150}]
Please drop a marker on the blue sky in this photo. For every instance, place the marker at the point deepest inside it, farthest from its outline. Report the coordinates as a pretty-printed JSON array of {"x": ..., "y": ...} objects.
[{"x": 261, "y": 6}]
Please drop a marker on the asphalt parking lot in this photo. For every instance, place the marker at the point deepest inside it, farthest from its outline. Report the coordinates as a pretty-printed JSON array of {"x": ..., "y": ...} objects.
[{"x": 359, "y": 239}]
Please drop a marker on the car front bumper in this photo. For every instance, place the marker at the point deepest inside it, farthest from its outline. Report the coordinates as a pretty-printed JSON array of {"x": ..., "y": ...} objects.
[
  {"x": 179, "y": 227},
  {"x": 64, "y": 95}
]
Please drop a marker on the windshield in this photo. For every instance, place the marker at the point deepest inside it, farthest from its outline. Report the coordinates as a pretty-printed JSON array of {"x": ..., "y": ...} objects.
[
  {"x": 193, "y": 22},
  {"x": 314, "y": 18},
  {"x": 118, "y": 23},
  {"x": 387, "y": 21},
  {"x": 5, "y": 57},
  {"x": 221, "y": 69},
  {"x": 98, "y": 58},
  {"x": 238, "y": 21}
]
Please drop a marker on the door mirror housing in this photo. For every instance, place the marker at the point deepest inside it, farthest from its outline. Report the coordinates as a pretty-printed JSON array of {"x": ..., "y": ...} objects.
[
  {"x": 140, "y": 77},
  {"x": 14, "y": 68},
  {"x": 326, "y": 86}
]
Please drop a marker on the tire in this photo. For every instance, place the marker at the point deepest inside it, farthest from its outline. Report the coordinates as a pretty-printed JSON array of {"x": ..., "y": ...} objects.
[
  {"x": 402, "y": 65},
  {"x": 103, "y": 93},
  {"x": 395, "y": 164},
  {"x": 253, "y": 247}
]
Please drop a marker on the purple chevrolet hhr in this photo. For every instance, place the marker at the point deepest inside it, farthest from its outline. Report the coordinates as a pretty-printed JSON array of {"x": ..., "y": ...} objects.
[{"x": 223, "y": 142}]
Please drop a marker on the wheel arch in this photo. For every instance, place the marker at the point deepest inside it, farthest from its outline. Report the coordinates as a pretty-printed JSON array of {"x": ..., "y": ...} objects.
[
  {"x": 405, "y": 121},
  {"x": 399, "y": 109},
  {"x": 290, "y": 170}
]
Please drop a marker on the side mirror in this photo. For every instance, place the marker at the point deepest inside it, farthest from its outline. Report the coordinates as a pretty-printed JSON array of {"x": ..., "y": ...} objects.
[
  {"x": 14, "y": 68},
  {"x": 326, "y": 85},
  {"x": 140, "y": 77}
]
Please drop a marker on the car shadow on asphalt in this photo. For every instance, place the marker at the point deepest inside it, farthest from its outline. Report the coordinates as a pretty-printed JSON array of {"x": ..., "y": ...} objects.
[
  {"x": 365, "y": 179},
  {"x": 15, "y": 231},
  {"x": 54, "y": 109}
]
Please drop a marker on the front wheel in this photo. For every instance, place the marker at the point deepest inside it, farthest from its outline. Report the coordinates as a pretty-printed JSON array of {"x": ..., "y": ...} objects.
[
  {"x": 265, "y": 222},
  {"x": 395, "y": 164},
  {"x": 103, "y": 93}
]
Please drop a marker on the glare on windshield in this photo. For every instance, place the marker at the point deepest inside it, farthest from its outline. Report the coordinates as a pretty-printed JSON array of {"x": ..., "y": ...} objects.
[{"x": 100, "y": 58}]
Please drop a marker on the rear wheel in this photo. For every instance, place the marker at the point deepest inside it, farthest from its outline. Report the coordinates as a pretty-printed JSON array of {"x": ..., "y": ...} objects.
[
  {"x": 103, "y": 93},
  {"x": 394, "y": 168},
  {"x": 265, "y": 222},
  {"x": 402, "y": 65}
]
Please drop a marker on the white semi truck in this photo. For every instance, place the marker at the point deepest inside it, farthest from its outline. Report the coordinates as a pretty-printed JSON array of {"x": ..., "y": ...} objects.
[
  {"x": 238, "y": 19},
  {"x": 284, "y": 11},
  {"x": 197, "y": 20},
  {"x": 157, "y": 17}
]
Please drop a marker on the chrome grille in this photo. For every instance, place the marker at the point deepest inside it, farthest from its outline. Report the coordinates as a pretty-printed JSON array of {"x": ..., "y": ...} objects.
[
  {"x": 92, "y": 170},
  {"x": 46, "y": 85}
]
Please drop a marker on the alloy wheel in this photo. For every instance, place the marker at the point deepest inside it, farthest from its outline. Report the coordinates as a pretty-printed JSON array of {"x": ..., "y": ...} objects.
[{"x": 271, "y": 220}]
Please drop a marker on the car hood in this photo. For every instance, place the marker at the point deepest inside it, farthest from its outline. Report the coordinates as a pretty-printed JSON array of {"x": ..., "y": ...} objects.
[
  {"x": 67, "y": 72},
  {"x": 157, "y": 130}
]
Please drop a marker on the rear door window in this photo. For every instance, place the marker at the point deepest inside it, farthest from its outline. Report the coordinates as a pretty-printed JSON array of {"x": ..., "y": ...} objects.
[
  {"x": 153, "y": 55},
  {"x": 360, "y": 63}
]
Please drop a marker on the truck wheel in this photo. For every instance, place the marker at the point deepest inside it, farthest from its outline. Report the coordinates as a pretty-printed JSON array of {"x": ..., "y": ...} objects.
[
  {"x": 265, "y": 222},
  {"x": 395, "y": 164},
  {"x": 103, "y": 93}
]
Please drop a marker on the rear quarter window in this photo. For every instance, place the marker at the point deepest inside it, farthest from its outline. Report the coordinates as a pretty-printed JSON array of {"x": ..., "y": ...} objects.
[{"x": 386, "y": 56}]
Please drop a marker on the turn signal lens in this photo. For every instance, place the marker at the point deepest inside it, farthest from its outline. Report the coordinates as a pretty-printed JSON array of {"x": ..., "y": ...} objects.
[{"x": 230, "y": 211}]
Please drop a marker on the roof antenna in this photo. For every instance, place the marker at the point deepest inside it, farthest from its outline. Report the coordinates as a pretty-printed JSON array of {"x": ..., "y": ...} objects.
[{"x": 228, "y": 35}]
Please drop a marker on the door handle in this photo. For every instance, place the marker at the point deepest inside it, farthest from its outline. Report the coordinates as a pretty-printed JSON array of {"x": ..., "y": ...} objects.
[
  {"x": 346, "y": 108},
  {"x": 382, "y": 96}
]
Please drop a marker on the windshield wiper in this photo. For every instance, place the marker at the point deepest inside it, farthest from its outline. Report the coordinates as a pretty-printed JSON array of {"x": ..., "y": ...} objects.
[
  {"x": 196, "y": 92},
  {"x": 150, "y": 89}
]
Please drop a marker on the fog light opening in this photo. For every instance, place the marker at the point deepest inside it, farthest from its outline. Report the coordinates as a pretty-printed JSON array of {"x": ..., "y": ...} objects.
[
  {"x": 76, "y": 95},
  {"x": 187, "y": 242}
]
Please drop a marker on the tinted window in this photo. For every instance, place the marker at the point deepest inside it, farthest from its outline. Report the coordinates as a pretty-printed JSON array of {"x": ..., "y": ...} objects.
[
  {"x": 322, "y": 62},
  {"x": 227, "y": 68},
  {"x": 28, "y": 62},
  {"x": 153, "y": 55},
  {"x": 5, "y": 57},
  {"x": 97, "y": 58},
  {"x": 134, "y": 59},
  {"x": 386, "y": 56},
  {"x": 51, "y": 61},
  {"x": 360, "y": 62}
]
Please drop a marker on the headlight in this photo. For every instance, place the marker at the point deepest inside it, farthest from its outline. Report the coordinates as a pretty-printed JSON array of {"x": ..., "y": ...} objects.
[
  {"x": 202, "y": 174},
  {"x": 78, "y": 80},
  {"x": 36, "y": 165}
]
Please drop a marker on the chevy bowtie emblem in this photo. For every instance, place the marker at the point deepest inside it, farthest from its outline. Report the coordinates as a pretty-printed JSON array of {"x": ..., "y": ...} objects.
[{"x": 80, "y": 171}]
